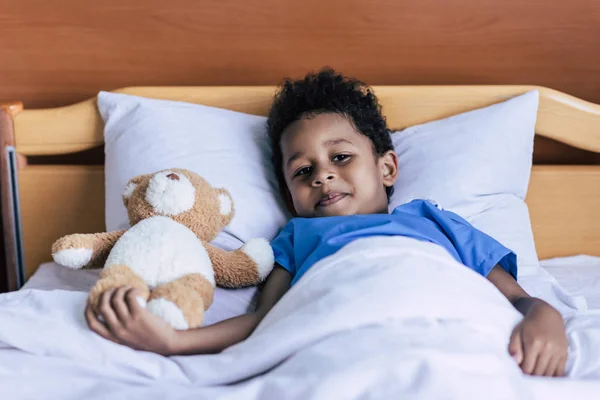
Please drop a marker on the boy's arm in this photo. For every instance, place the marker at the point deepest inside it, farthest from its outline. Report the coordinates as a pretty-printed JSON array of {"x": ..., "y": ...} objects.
[
  {"x": 129, "y": 324},
  {"x": 538, "y": 343},
  {"x": 217, "y": 337}
]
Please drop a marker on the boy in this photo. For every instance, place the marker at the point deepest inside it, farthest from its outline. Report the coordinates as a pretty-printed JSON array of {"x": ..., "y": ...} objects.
[{"x": 335, "y": 164}]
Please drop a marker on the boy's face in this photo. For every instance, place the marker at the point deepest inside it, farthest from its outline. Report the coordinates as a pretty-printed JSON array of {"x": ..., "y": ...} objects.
[{"x": 330, "y": 169}]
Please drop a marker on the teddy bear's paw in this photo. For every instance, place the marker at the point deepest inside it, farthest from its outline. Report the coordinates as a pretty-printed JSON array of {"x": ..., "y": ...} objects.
[
  {"x": 141, "y": 301},
  {"x": 168, "y": 311},
  {"x": 260, "y": 251},
  {"x": 73, "y": 258}
]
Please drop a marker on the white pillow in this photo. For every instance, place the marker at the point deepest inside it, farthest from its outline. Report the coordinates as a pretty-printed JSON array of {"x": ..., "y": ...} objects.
[
  {"x": 227, "y": 148},
  {"x": 476, "y": 164}
]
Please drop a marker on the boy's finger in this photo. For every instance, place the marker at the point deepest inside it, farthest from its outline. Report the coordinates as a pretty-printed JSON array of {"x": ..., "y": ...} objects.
[
  {"x": 542, "y": 363},
  {"x": 530, "y": 356},
  {"x": 97, "y": 326},
  {"x": 560, "y": 367},
  {"x": 552, "y": 364},
  {"x": 135, "y": 301},
  {"x": 515, "y": 346},
  {"x": 108, "y": 314},
  {"x": 118, "y": 303}
]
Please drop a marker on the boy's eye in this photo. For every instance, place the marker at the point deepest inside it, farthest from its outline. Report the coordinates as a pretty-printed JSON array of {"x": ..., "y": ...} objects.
[
  {"x": 303, "y": 171},
  {"x": 341, "y": 157}
]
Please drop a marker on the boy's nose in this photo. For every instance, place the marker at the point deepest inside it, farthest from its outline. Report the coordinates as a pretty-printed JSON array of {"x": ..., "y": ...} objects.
[{"x": 320, "y": 179}]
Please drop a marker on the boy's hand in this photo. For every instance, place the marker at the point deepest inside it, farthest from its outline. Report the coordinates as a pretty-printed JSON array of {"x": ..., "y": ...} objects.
[
  {"x": 128, "y": 323},
  {"x": 539, "y": 343}
]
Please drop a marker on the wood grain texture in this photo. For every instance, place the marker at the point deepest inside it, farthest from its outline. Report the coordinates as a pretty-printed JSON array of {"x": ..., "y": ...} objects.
[
  {"x": 564, "y": 205},
  {"x": 62, "y": 51},
  {"x": 73, "y": 202}
]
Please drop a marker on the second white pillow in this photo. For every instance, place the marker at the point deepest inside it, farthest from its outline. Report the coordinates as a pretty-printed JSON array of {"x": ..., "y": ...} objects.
[{"x": 478, "y": 165}]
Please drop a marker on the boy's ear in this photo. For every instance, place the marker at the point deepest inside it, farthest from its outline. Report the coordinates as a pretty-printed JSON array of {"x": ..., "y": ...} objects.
[{"x": 389, "y": 167}]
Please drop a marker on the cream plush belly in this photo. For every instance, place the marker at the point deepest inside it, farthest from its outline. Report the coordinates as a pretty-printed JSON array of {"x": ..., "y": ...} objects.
[{"x": 160, "y": 250}]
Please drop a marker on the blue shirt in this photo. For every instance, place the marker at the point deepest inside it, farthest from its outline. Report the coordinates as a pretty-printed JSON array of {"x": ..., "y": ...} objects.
[{"x": 304, "y": 241}]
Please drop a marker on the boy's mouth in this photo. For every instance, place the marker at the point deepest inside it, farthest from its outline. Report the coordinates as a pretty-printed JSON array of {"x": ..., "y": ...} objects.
[{"x": 331, "y": 198}]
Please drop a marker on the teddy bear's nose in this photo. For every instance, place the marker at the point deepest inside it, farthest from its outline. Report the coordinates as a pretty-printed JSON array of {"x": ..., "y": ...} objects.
[{"x": 173, "y": 177}]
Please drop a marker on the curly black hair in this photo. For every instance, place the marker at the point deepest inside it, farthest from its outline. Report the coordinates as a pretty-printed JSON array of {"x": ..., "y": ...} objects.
[{"x": 326, "y": 92}]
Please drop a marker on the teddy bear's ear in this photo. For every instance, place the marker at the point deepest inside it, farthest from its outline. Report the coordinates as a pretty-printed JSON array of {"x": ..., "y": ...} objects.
[
  {"x": 225, "y": 205},
  {"x": 130, "y": 188}
]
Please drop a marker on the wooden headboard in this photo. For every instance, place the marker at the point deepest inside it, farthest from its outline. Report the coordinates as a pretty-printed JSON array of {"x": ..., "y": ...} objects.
[{"x": 49, "y": 200}]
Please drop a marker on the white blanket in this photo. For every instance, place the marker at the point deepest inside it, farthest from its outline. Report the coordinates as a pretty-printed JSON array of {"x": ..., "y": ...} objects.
[{"x": 382, "y": 318}]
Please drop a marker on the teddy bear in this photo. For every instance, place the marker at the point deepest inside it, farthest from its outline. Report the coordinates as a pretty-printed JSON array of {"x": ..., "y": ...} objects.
[{"x": 166, "y": 253}]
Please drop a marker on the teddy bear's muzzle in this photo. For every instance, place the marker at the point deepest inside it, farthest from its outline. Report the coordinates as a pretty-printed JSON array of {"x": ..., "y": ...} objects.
[{"x": 170, "y": 194}]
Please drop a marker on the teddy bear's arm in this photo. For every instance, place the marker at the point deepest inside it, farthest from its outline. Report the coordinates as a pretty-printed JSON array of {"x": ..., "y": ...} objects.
[
  {"x": 88, "y": 250},
  {"x": 246, "y": 266}
]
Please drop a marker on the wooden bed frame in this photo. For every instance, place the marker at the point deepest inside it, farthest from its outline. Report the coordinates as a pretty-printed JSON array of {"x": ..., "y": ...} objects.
[{"x": 45, "y": 201}]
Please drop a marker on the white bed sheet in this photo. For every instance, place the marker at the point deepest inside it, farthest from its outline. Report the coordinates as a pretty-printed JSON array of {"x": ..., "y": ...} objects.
[
  {"x": 578, "y": 275},
  {"x": 227, "y": 303}
]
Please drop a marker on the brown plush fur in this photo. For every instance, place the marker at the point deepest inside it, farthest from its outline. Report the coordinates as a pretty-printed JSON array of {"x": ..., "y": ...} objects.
[
  {"x": 99, "y": 243},
  {"x": 204, "y": 219},
  {"x": 192, "y": 293},
  {"x": 114, "y": 277},
  {"x": 232, "y": 268}
]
